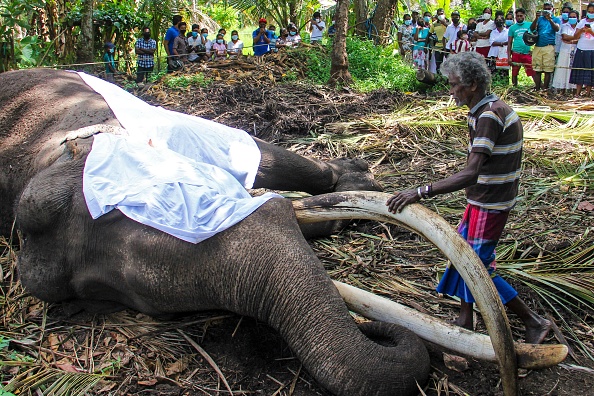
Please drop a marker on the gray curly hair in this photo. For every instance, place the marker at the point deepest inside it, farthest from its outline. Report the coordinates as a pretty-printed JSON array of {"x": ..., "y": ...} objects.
[{"x": 469, "y": 67}]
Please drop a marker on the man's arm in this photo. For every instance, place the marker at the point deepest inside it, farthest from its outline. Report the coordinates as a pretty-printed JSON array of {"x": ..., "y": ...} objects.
[
  {"x": 510, "y": 41},
  {"x": 465, "y": 178},
  {"x": 535, "y": 21},
  {"x": 166, "y": 45},
  {"x": 554, "y": 24}
]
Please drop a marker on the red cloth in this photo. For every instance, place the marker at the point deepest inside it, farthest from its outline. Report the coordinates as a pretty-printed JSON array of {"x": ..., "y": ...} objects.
[
  {"x": 484, "y": 51},
  {"x": 526, "y": 60}
]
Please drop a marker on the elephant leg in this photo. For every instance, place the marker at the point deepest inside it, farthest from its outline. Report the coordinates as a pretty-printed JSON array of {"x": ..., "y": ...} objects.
[{"x": 281, "y": 169}]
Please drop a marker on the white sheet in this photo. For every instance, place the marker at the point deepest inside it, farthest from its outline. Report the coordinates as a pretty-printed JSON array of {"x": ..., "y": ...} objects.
[
  {"x": 160, "y": 185},
  {"x": 199, "y": 139}
]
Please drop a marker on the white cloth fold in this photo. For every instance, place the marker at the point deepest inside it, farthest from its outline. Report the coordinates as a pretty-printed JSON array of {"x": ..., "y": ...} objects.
[{"x": 188, "y": 182}]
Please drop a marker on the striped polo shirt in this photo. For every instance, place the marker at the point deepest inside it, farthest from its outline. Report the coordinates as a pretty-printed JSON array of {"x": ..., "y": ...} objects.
[{"x": 495, "y": 130}]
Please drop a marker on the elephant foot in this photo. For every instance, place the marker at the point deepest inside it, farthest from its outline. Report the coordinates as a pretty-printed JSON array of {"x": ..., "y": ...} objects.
[
  {"x": 352, "y": 175},
  {"x": 357, "y": 181}
]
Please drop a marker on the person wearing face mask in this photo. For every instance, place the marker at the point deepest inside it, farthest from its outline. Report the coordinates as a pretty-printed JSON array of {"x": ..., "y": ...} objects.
[
  {"x": 405, "y": 37},
  {"x": 543, "y": 55},
  {"x": 332, "y": 29},
  {"x": 261, "y": 38},
  {"x": 498, "y": 52},
  {"x": 438, "y": 29},
  {"x": 145, "y": 48},
  {"x": 169, "y": 39},
  {"x": 566, "y": 54},
  {"x": 518, "y": 53},
  {"x": 564, "y": 18},
  {"x": 582, "y": 74},
  {"x": 451, "y": 33},
  {"x": 194, "y": 44},
  {"x": 180, "y": 44},
  {"x": 219, "y": 48},
  {"x": 108, "y": 59},
  {"x": 294, "y": 37},
  {"x": 206, "y": 43},
  {"x": 420, "y": 47},
  {"x": 235, "y": 46},
  {"x": 273, "y": 38},
  {"x": 483, "y": 32},
  {"x": 316, "y": 28},
  {"x": 282, "y": 41}
]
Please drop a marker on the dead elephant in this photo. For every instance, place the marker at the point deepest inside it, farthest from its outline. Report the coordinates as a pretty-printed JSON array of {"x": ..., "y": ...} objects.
[{"x": 261, "y": 267}]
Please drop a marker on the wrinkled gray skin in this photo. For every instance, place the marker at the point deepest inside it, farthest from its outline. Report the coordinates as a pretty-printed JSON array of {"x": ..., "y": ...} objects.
[{"x": 261, "y": 267}]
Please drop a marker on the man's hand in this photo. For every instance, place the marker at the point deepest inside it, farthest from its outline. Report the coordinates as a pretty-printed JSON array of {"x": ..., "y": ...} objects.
[{"x": 399, "y": 200}]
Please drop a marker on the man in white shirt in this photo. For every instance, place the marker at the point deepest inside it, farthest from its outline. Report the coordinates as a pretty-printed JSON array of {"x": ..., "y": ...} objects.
[
  {"x": 451, "y": 33},
  {"x": 316, "y": 28}
]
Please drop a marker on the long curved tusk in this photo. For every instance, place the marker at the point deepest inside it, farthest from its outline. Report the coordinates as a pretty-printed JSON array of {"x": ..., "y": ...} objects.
[
  {"x": 372, "y": 206},
  {"x": 455, "y": 338}
]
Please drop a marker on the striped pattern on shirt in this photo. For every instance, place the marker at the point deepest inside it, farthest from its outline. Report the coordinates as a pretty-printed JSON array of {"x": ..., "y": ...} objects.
[{"x": 495, "y": 130}]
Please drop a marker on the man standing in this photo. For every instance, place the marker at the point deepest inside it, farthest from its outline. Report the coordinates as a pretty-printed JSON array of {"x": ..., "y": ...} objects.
[
  {"x": 316, "y": 28},
  {"x": 451, "y": 33},
  {"x": 518, "y": 53},
  {"x": 261, "y": 38},
  {"x": 543, "y": 56},
  {"x": 490, "y": 178},
  {"x": 145, "y": 49},
  {"x": 439, "y": 26},
  {"x": 108, "y": 60},
  {"x": 170, "y": 36}
]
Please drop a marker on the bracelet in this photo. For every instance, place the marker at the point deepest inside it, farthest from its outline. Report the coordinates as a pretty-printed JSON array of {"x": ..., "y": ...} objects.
[{"x": 424, "y": 192}]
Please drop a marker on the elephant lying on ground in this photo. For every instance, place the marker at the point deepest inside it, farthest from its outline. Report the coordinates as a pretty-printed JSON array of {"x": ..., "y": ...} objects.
[{"x": 261, "y": 267}]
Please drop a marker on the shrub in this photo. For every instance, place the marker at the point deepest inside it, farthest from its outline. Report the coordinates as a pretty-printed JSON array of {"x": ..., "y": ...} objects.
[{"x": 372, "y": 67}]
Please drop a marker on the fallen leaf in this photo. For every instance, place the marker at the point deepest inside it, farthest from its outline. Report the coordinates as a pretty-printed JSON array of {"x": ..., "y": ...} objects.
[
  {"x": 67, "y": 367},
  {"x": 177, "y": 367},
  {"x": 456, "y": 363},
  {"x": 54, "y": 342},
  {"x": 586, "y": 206},
  {"x": 150, "y": 382}
]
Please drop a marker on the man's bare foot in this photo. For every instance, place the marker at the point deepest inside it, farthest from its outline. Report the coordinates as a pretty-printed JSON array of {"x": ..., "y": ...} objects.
[{"x": 537, "y": 334}]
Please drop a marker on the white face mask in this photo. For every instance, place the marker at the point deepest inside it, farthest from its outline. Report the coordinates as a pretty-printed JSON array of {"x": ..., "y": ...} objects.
[
  {"x": 486, "y": 16},
  {"x": 441, "y": 17}
]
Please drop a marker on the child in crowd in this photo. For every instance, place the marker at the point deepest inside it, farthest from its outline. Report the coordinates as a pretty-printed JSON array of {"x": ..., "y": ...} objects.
[
  {"x": 219, "y": 48},
  {"x": 462, "y": 44},
  {"x": 206, "y": 43},
  {"x": 273, "y": 38},
  {"x": 195, "y": 46},
  {"x": 108, "y": 58},
  {"x": 421, "y": 32}
]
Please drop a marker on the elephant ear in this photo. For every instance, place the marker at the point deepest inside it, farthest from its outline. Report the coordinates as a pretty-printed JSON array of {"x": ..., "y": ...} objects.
[{"x": 48, "y": 195}]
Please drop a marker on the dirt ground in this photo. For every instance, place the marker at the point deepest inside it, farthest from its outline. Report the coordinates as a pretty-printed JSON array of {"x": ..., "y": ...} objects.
[{"x": 153, "y": 356}]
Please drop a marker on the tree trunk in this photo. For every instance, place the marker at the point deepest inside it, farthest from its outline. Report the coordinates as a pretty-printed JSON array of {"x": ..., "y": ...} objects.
[
  {"x": 85, "y": 53},
  {"x": 339, "y": 69},
  {"x": 382, "y": 19},
  {"x": 361, "y": 16}
]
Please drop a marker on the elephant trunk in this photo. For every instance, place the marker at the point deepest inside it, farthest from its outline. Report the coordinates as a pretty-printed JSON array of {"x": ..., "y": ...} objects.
[{"x": 306, "y": 309}]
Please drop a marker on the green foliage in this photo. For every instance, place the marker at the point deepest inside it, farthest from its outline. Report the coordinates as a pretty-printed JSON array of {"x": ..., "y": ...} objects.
[
  {"x": 185, "y": 81},
  {"x": 224, "y": 15},
  {"x": 28, "y": 51},
  {"x": 372, "y": 67}
]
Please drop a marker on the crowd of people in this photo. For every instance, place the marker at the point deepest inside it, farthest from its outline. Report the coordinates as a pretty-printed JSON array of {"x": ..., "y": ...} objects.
[
  {"x": 183, "y": 45},
  {"x": 557, "y": 52}
]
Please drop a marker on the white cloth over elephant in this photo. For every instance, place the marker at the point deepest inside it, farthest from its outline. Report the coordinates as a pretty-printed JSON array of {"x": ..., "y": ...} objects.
[{"x": 190, "y": 181}]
